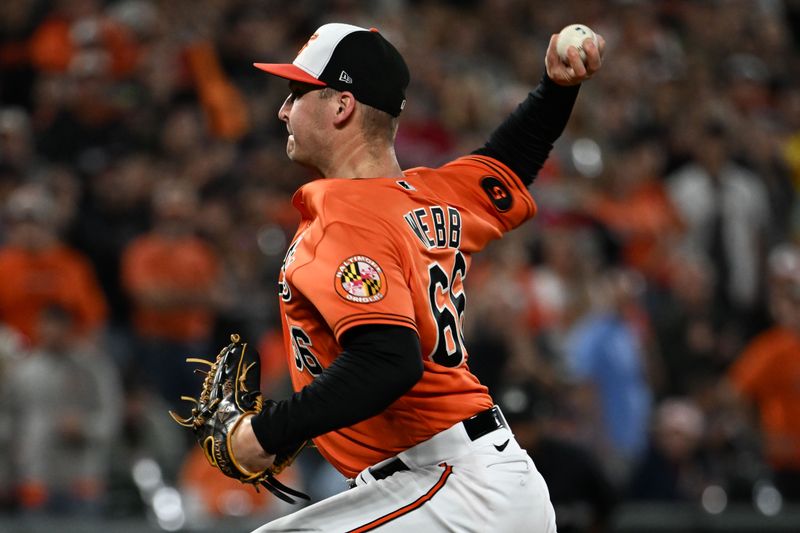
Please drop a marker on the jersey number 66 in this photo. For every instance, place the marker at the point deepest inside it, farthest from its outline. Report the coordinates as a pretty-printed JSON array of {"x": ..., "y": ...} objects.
[{"x": 448, "y": 311}]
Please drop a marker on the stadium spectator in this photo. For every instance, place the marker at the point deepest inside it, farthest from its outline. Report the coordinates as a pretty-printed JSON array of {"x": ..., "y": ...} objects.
[
  {"x": 115, "y": 209},
  {"x": 725, "y": 209},
  {"x": 39, "y": 270},
  {"x": 608, "y": 368},
  {"x": 768, "y": 371},
  {"x": 65, "y": 402},
  {"x": 172, "y": 278},
  {"x": 695, "y": 343},
  {"x": 632, "y": 203},
  {"x": 674, "y": 467}
]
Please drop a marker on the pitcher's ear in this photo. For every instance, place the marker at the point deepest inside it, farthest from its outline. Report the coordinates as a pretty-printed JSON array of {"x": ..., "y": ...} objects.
[{"x": 346, "y": 105}]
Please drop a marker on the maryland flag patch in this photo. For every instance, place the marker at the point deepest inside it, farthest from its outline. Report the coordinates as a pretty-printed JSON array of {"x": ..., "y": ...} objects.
[{"x": 359, "y": 279}]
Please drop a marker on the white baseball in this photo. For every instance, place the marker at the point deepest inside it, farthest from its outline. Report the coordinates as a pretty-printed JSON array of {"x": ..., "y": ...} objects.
[{"x": 574, "y": 35}]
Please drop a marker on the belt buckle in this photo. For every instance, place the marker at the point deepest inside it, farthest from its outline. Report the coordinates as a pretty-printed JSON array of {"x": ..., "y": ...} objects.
[
  {"x": 484, "y": 423},
  {"x": 500, "y": 417},
  {"x": 390, "y": 468}
]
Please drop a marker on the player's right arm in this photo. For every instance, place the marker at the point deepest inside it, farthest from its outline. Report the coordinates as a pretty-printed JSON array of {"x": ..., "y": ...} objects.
[{"x": 524, "y": 139}]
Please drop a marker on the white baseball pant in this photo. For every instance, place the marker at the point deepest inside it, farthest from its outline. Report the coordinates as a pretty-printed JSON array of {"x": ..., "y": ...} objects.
[{"x": 452, "y": 483}]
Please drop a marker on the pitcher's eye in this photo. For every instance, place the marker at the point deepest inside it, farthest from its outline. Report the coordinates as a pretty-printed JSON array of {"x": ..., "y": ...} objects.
[{"x": 298, "y": 90}]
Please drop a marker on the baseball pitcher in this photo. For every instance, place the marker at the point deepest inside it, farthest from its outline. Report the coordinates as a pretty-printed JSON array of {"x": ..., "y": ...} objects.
[{"x": 372, "y": 298}]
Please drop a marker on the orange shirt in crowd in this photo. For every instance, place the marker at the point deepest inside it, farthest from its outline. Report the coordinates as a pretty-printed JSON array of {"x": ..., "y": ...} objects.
[
  {"x": 52, "y": 46},
  {"x": 184, "y": 269},
  {"x": 645, "y": 220},
  {"x": 768, "y": 373},
  {"x": 33, "y": 281}
]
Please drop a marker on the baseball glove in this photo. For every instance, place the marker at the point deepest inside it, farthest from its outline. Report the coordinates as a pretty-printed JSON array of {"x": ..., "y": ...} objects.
[{"x": 231, "y": 390}]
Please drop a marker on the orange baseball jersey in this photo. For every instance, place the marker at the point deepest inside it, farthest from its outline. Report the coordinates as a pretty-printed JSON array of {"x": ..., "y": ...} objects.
[{"x": 395, "y": 251}]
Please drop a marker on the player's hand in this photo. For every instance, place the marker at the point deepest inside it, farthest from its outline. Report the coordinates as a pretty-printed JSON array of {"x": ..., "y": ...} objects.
[
  {"x": 222, "y": 415},
  {"x": 575, "y": 71},
  {"x": 246, "y": 448}
]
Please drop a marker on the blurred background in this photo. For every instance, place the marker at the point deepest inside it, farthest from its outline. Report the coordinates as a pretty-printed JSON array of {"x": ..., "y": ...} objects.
[{"x": 642, "y": 333}]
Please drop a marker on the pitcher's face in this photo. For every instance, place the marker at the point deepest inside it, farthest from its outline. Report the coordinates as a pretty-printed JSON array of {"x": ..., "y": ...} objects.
[{"x": 303, "y": 111}]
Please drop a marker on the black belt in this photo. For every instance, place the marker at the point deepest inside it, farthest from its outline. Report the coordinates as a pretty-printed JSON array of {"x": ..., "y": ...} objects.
[{"x": 476, "y": 427}]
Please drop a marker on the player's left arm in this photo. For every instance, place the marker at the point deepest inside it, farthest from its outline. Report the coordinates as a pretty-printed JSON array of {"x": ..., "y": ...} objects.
[
  {"x": 379, "y": 364},
  {"x": 524, "y": 140},
  {"x": 381, "y": 355}
]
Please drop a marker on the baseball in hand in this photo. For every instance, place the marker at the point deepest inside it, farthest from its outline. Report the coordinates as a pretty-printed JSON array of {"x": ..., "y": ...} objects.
[{"x": 574, "y": 35}]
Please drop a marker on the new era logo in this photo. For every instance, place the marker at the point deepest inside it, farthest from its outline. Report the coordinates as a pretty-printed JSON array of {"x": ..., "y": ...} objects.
[{"x": 345, "y": 78}]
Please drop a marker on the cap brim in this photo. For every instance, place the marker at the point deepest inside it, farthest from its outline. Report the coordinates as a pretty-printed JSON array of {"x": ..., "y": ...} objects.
[{"x": 290, "y": 72}]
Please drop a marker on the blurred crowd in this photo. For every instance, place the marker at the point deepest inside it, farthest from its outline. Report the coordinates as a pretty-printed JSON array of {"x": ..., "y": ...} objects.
[{"x": 642, "y": 333}]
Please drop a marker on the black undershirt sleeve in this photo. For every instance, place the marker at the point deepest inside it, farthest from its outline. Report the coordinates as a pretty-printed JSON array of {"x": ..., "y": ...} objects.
[
  {"x": 378, "y": 365},
  {"x": 524, "y": 139}
]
